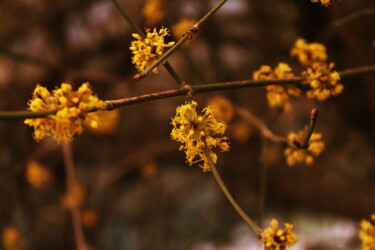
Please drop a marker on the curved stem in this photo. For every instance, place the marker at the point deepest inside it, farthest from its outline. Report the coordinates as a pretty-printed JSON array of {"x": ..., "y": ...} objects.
[{"x": 230, "y": 198}]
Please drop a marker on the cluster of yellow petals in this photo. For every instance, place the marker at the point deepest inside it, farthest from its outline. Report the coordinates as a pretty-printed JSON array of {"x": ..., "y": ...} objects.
[
  {"x": 367, "y": 233},
  {"x": 323, "y": 2},
  {"x": 222, "y": 107},
  {"x": 153, "y": 11},
  {"x": 320, "y": 76},
  {"x": 324, "y": 82},
  {"x": 149, "y": 49},
  {"x": 278, "y": 239},
  {"x": 107, "y": 122},
  {"x": 70, "y": 107},
  {"x": 277, "y": 95},
  {"x": 198, "y": 132},
  {"x": 296, "y": 155},
  {"x": 308, "y": 53},
  {"x": 11, "y": 238},
  {"x": 37, "y": 175}
]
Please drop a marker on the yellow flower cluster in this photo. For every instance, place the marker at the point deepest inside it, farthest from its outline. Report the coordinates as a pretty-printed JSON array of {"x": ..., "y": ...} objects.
[
  {"x": 153, "y": 11},
  {"x": 198, "y": 132},
  {"x": 11, "y": 238},
  {"x": 149, "y": 49},
  {"x": 323, "y": 81},
  {"x": 308, "y": 53},
  {"x": 323, "y": 2},
  {"x": 320, "y": 77},
  {"x": 278, "y": 239},
  {"x": 367, "y": 233},
  {"x": 296, "y": 155},
  {"x": 71, "y": 108},
  {"x": 277, "y": 95},
  {"x": 37, "y": 175}
]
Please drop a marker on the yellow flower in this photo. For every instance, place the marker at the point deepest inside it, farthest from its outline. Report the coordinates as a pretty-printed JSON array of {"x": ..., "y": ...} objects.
[
  {"x": 74, "y": 197},
  {"x": 197, "y": 132},
  {"x": 277, "y": 96},
  {"x": 222, "y": 107},
  {"x": 37, "y": 175},
  {"x": 278, "y": 239},
  {"x": 295, "y": 155},
  {"x": 308, "y": 53},
  {"x": 153, "y": 11},
  {"x": 323, "y": 2},
  {"x": 367, "y": 233},
  {"x": 105, "y": 123},
  {"x": 180, "y": 28},
  {"x": 71, "y": 108},
  {"x": 323, "y": 81},
  {"x": 148, "y": 50},
  {"x": 11, "y": 238}
]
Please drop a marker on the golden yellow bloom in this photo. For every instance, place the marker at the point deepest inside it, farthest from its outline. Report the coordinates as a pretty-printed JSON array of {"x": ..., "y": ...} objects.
[
  {"x": 71, "y": 107},
  {"x": 107, "y": 122},
  {"x": 11, "y": 237},
  {"x": 37, "y": 175},
  {"x": 367, "y": 233},
  {"x": 323, "y": 2},
  {"x": 277, "y": 96},
  {"x": 324, "y": 82},
  {"x": 240, "y": 131},
  {"x": 197, "y": 132},
  {"x": 90, "y": 218},
  {"x": 153, "y": 12},
  {"x": 222, "y": 107},
  {"x": 295, "y": 155},
  {"x": 148, "y": 50},
  {"x": 278, "y": 239},
  {"x": 75, "y": 197},
  {"x": 180, "y": 28},
  {"x": 308, "y": 53}
]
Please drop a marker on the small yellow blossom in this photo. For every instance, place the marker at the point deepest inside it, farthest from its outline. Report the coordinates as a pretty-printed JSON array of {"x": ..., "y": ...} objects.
[
  {"x": 11, "y": 238},
  {"x": 70, "y": 107},
  {"x": 278, "y": 239},
  {"x": 323, "y": 2},
  {"x": 90, "y": 218},
  {"x": 149, "y": 49},
  {"x": 241, "y": 131},
  {"x": 197, "y": 132},
  {"x": 222, "y": 107},
  {"x": 153, "y": 11},
  {"x": 324, "y": 82},
  {"x": 277, "y": 95},
  {"x": 37, "y": 175},
  {"x": 74, "y": 197},
  {"x": 105, "y": 123},
  {"x": 308, "y": 53},
  {"x": 367, "y": 233},
  {"x": 295, "y": 155},
  {"x": 181, "y": 27}
]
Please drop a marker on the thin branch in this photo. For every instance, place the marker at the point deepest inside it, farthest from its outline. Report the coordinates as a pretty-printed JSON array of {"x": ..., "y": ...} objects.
[
  {"x": 230, "y": 198},
  {"x": 74, "y": 208},
  {"x": 188, "y": 35},
  {"x": 260, "y": 125},
  {"x": 353, "y": 16},
  {"x": 313, "y": 116},
  {"x": 138, "y": 30}
]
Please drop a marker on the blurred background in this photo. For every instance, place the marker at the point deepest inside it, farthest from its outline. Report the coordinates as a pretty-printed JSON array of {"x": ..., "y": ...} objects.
[{"x": 135, "y": 189}]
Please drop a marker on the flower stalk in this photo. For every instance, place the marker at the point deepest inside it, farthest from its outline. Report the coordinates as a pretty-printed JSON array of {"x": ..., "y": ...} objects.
[{"x": 230, "y": 198}]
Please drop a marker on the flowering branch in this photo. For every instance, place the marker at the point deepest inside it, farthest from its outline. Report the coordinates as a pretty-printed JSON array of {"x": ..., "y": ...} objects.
[
  {"x": 230, "y": 198},
  {"x": 188, "y": 35},
  {"x": 188, "y": 90},
  {"x": 130, "y": 20}
]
